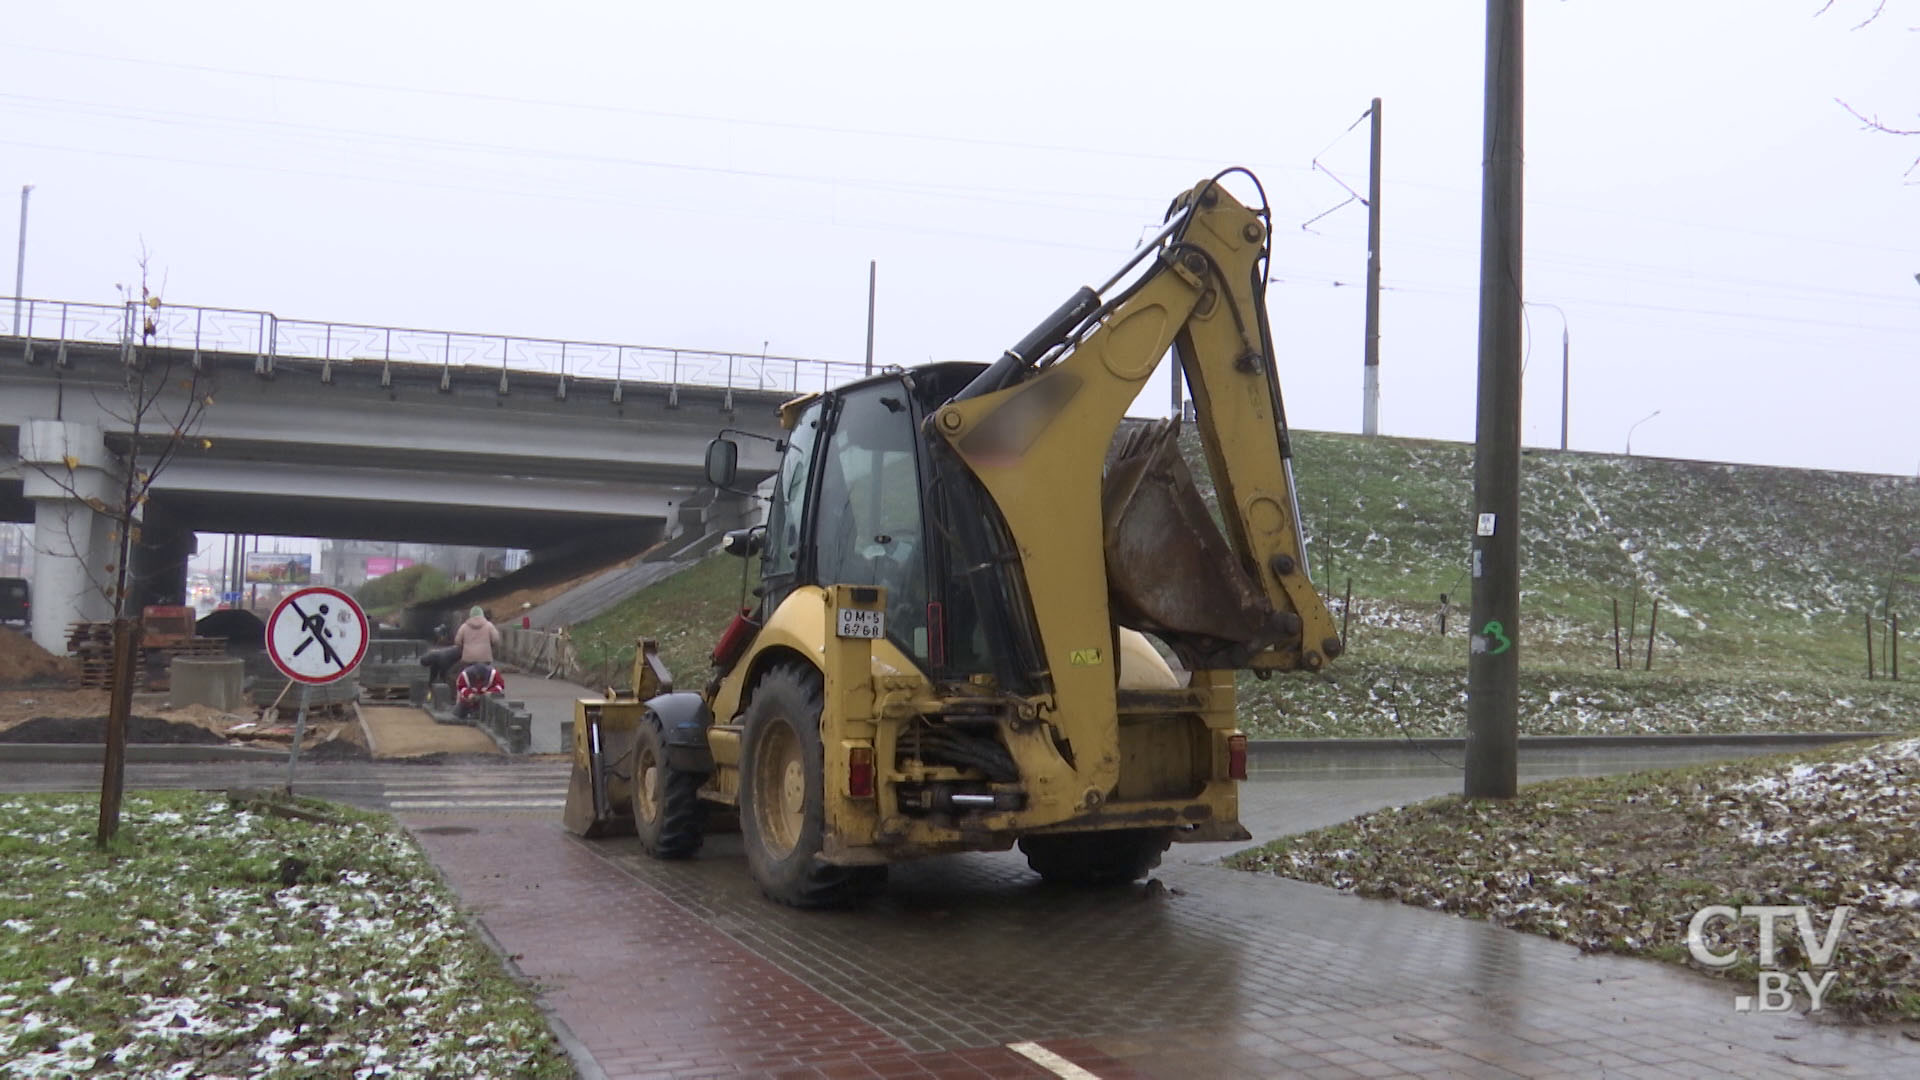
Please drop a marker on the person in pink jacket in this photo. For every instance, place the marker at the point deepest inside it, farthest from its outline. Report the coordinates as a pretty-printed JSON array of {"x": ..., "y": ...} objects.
[{"x": 477, "y": 638}]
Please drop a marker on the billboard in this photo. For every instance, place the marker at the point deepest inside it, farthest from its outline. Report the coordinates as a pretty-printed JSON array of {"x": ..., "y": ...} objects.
[
  {"x": 274, "y": 568},
  {"x": 382, "y": 565}
]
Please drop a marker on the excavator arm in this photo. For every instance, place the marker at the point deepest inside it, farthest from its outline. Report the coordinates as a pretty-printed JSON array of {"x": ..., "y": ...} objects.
[{"x": 1037, "y": 429}]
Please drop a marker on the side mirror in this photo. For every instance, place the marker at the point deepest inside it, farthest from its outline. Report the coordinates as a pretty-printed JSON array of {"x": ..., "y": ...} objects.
[
  {"x": 746, "y": 542},
  {"x": 723, "y": 462}
]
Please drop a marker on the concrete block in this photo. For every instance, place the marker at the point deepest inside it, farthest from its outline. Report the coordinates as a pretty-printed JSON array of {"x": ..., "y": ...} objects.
[
  {"x": 395, "y": 651},
  {"x": 509, "y": 722},
  {"x": 217, "y": 684},
  {"x": 268, "y": 689}
]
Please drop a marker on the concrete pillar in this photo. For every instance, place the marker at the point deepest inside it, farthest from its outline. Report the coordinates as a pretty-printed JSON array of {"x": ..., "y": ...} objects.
[
  {"x": 66, "y": 472},
  {"x": 160, "y": 558}
]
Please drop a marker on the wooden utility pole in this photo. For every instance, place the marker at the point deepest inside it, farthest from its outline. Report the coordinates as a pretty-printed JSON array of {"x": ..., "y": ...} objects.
[
  {"x": 1370, "y": 407},
  {"x": 1493, "y": 659},
  {"x": 1617, "y": 665},
  {"x": 1653, "y": 621}
]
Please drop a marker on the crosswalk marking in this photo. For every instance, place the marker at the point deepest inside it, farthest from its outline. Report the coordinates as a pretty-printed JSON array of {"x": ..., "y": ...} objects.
[
  {"x": 538, "y": 790},
  {"x": 1051, "y": 1061},
  {"x": 556, "y": 790},
  {"x": 475, "y": 804}
]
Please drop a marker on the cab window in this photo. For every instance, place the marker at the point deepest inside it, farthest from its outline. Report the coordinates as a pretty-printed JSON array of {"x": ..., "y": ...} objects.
[
  {"x": 868, "y": 523},
  {"x": 784, "y": 515}
]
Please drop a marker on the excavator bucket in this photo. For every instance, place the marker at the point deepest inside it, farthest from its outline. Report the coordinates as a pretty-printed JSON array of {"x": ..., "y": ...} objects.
[{"x": 1169, "y": 570}]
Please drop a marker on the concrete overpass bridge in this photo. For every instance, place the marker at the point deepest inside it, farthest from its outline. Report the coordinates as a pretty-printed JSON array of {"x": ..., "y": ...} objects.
[{"x": 360, "y": 432}]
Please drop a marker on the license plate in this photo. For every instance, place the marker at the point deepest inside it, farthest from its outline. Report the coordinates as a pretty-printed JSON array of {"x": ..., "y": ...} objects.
[{"x": 856, "y": 623}]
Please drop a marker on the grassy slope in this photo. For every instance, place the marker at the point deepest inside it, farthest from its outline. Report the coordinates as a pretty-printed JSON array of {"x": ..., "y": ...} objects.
[
  {"x": 685, "y": 614},
  {"x": 1763, "y": 577}
]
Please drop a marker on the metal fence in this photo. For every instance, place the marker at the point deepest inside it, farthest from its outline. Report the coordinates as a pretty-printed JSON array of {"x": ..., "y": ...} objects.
[{"x": 54, "y": 324}]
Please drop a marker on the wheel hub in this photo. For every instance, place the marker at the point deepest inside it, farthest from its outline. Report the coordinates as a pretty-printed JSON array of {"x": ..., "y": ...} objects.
[
  {"x": 780, "y": 789},
  {"x": 648, "y": 803}
]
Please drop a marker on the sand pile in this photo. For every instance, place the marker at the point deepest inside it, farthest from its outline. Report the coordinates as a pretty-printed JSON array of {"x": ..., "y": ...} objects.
[{"x": 23, "y": 663}]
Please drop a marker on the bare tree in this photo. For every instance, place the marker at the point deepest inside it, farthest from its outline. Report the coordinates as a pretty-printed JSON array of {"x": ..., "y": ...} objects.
[
  {"x": 163, "y": 398},
  {"x": 1871, "y": 121}
]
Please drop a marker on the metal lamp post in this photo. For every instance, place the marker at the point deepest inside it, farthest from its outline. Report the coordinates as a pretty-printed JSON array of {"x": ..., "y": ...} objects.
[
  {"x": 20, "y": 261},
  {"x": 1566, "y": 353},
  {"x": 1636, "y": 424}
]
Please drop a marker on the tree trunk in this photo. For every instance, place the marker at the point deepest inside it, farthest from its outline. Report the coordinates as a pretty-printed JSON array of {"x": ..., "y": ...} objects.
[{"x": 113, "y": 773}]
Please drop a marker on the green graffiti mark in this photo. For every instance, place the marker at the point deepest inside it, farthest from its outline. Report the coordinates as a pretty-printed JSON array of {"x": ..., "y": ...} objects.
[{"x": 1498, "y": 633}]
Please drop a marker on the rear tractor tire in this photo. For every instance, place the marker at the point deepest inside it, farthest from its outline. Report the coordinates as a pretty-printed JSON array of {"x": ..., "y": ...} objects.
[
  {"x": 782, "y": 780},
  {"x": 666, "y": 801},
  {"x": 1096, "y": 859}
]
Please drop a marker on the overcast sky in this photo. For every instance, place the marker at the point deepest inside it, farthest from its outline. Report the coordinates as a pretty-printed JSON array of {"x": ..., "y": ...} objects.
[{"x": 1729, "y": 247}]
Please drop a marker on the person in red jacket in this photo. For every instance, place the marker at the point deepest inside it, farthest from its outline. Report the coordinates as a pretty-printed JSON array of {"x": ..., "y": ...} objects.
[{"x": 476, "y": 681}]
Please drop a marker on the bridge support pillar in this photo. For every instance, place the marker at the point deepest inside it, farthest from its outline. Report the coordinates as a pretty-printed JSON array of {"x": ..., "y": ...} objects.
[
  {"x": 67, "y": 472},
  {"x": 160, "y": 558}
]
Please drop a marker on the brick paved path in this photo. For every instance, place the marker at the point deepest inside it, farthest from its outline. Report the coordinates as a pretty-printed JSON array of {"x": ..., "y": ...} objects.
[
  {"x": 682, "y": 969},
  {"x": 653, "y": 988}
]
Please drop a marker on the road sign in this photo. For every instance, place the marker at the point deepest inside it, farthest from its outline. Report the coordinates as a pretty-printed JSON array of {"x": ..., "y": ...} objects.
[{"x": 316, "y": 635}]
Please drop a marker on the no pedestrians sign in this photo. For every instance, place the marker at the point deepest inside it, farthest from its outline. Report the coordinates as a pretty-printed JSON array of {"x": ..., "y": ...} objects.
[{"x": 316, "y": 635}]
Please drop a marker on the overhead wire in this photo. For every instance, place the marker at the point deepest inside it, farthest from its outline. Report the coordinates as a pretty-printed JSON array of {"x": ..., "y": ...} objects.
[{"x": 609, "y": 108}]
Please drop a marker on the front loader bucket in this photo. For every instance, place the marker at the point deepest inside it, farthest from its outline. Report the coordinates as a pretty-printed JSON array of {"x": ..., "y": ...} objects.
[
  {"x": 597, "y": 800},
  {"x": 1169, "y": 571}
]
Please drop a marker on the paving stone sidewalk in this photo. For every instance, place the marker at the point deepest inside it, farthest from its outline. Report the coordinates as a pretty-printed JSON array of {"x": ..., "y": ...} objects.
[
  {"x": 684, "y": 970},
  {"x": 648, "y": 986}
]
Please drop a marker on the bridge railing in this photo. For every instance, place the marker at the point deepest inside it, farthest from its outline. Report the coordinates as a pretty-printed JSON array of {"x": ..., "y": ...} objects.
[{"x": 55, "y": 324}]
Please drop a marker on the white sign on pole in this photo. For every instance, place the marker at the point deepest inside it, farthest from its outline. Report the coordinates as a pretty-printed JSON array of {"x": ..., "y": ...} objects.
[{"x": 316, "y": 635}]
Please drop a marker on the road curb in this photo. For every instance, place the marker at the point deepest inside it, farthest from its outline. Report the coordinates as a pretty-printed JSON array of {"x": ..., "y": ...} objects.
[
  {"x": 152, "y": 753},
  {"x": 584, "y": 1065},
  {"x": 1259, "y": 749},
  {"x": 1785, "y": 740}
]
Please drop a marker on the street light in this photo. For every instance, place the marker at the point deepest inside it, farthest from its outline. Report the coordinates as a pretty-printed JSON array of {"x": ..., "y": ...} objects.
[
  {"x": 20, "y": 262},
  {"x": 1636, "y": 424},
  {"x": 1566, "y": 350}
]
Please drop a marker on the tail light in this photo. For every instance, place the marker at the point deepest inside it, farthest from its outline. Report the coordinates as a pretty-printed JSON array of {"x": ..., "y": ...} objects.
[
  {"x": 860, "y": 772},
  {"x": 1236, "y": 757}
]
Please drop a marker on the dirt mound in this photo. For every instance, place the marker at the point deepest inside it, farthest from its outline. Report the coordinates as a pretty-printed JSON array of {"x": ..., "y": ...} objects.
[
  {"x": 93, "y": 729},
  {"x": 240, "y": 628},
  {"x": 23, "y": 663}
]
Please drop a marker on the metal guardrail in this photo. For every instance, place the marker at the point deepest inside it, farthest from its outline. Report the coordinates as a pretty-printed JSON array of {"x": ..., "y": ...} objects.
[{"x": 55, "y": 324}]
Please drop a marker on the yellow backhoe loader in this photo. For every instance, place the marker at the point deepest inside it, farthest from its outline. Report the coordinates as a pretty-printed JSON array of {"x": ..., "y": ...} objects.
[{"x": 959, "y": 569}]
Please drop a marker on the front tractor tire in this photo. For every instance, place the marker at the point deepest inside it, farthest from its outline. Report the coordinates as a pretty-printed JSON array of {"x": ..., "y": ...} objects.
[
  {"x": 782, "y": 797},
  {"x": 1092, "y": 860},
  {"x": 666, "y": 801}
]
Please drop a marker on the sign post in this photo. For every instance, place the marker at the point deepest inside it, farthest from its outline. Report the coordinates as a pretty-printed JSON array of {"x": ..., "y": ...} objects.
[{"x": 315, "y": 636}]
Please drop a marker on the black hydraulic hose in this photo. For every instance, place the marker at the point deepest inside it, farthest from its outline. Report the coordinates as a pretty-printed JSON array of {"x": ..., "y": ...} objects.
[{"x": 1052, "y": 332}]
